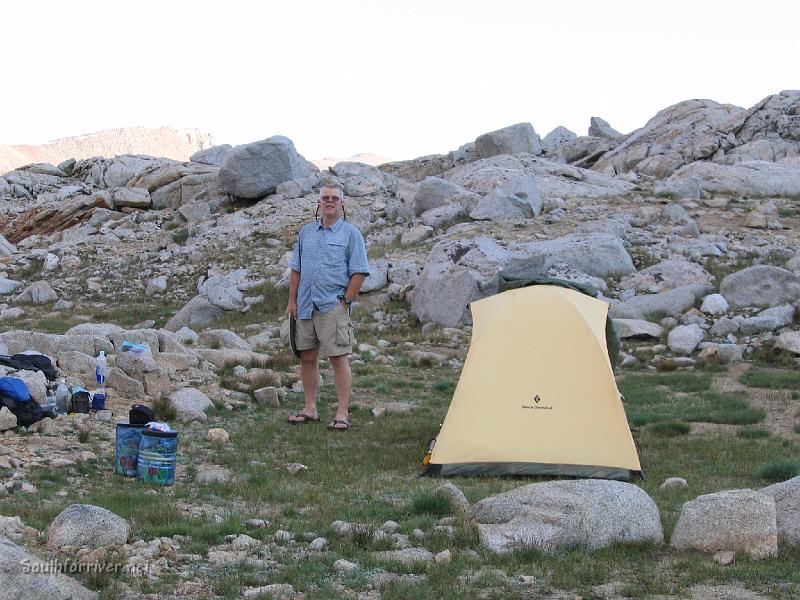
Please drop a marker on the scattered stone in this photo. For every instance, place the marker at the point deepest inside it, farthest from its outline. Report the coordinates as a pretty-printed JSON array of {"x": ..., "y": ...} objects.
[
  {"x": 279, "y": 591},
  {"x": 84, "y": 525},
  {"x": 318, "y": 544},
  {"x": 685, "y": 338},
  {"x": 737, "y": 520},
  {"x": 672, "y": 483},
  {"x": 295, "y": 468},
  {"x": 458, "y": 501},
  {"x": 406, "y": 556},
  {"x": 443, "y": 557},
  {"x": 217, "y": 436},
  {"x": 344, "y": 566},
  {"x": 724, "y": 558},
  {"x": 8, "y": 420}
]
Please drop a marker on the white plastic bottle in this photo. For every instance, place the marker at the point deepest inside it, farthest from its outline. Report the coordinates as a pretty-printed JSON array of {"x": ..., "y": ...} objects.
[
  {"x": 100, "y": 372},
  {"x": 62, "y": 397}
]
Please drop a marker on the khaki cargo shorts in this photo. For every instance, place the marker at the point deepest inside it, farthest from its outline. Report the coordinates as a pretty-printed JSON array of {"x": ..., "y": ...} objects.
[{"x": 331, "y": 332}]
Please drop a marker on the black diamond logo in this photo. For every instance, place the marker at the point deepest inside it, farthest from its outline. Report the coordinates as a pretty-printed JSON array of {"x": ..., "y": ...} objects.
[{"x": 537, "y": 399}]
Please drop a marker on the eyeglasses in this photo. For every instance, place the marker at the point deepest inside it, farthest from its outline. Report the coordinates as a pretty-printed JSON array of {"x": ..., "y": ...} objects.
[{"x": 331, "y": 199}]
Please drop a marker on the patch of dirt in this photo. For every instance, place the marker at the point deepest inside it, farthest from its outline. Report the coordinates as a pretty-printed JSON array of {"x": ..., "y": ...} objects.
[{"x": 777, "y": 404}]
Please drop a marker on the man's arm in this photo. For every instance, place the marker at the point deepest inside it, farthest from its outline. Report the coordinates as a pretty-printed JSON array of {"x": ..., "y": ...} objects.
[
  {"x": 294, "y": 283},
  {"x": 356, "y": 281}
]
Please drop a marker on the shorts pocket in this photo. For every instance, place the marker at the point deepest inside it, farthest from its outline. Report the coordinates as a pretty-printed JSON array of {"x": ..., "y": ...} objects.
[{"x": 344, "y": 333}]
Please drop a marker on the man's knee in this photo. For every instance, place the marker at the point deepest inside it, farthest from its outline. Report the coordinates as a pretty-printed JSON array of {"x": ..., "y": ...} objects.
[
  {"x": 339, "y": 362},
  {"x": 309, "y": 357}
]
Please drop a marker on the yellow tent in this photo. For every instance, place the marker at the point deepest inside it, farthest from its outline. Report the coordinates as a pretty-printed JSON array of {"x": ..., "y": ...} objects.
[{"x": 537, "y": 393}]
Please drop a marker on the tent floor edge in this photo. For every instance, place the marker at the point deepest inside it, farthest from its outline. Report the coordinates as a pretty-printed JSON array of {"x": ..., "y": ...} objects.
[{"x": 534, "y": 469}]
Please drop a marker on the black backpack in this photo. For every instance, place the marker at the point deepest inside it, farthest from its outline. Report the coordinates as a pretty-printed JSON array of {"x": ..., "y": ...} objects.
[
  {"x": 30, "y": 362},
  {"x": 27, "y": 412}
]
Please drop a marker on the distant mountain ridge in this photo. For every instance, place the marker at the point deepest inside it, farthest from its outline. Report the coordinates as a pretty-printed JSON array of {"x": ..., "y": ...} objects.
[{"x": 178, "y": 144}]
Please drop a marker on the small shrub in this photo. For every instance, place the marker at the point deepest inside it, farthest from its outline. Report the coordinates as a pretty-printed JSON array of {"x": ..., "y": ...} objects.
[
  {"x": 83, "y": 435},
  {"x": 180, "y": 235},
  {"x": 163, "y": 408},
  {"x": 797, "y": 427},
  {"x": 671, "y": 429},
  {"x": 795, "y": 395},
  {"x": 428, "y": 503},
  {"x": 778, "y": 470},
  {"x": 753, "y": 433}
]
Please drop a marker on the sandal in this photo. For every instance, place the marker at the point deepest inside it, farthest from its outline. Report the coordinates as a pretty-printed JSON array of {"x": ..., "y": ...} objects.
[
  {"x": 302, "y": 418},
  {"x": 336, "y": 425}
]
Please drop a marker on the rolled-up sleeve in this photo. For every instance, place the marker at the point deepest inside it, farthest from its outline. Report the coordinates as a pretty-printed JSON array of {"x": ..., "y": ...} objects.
[
  {"x": 358, "y": 262},
  {"x": 294, "y": 262}
]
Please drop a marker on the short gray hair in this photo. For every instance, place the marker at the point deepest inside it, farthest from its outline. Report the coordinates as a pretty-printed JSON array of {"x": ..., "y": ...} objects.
[{"x": 331, "y": 185}]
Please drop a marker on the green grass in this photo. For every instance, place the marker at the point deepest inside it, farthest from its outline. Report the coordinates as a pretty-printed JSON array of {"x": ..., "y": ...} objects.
[
  {"x": 771, "y": 379},
  {"x": 778, "y": 470},
  {"x": 671, "y": 429},
  {"x": 371, "y": 474},
  {"x": 428, "y": 503},
  {"x": 653, "y": 399},
  {"x": 753, "y": 433}
]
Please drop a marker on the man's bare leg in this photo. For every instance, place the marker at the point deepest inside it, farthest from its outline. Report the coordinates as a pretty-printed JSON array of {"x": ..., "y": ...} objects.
[
  {"x": 309, "y": 375},
  {"x": 343, "y": 381}
]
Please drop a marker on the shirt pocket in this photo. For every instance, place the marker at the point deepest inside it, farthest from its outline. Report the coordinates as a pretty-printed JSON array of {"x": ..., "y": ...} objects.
[{"x": 334, "y": 254}]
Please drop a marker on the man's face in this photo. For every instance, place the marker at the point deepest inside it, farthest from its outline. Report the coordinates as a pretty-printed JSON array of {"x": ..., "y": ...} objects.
[{"x": 331, "y": 203}]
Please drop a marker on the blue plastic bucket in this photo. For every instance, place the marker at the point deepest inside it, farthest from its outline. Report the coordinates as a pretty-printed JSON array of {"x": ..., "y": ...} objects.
[
  {"x": 126, "y": 453},
  {"x": 158, "y": 451}
]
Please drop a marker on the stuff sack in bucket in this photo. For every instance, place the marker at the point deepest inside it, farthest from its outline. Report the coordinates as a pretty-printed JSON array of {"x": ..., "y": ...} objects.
[
  {"x": 158, "y": 452},
  {"x": 126, "y": 455},
  {"x": 140, "y": 414}
]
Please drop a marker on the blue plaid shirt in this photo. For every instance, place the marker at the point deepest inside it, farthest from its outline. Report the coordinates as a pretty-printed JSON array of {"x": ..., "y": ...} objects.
[{"x": 326, "y": 258}]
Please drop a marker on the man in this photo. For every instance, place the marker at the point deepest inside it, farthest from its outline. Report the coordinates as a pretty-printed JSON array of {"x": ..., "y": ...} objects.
[{"x": 329, "y": 266}]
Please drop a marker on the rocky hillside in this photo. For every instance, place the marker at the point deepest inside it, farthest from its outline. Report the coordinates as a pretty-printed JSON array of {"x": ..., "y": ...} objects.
[
  {"x": 689, "y": 228},
  {"x": 177, "y": 144}
]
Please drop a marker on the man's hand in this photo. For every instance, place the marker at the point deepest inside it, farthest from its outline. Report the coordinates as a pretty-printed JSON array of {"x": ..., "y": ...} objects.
[{"x": 291, "y": 309}]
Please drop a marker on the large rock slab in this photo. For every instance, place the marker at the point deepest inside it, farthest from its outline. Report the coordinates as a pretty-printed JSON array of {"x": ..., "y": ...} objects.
[
  {"x": 787, "y": 509},
  {"x": 549, "y": 516},
  {"x": 669, "y": 303},
  {"x": 85, "y": 525},
  {"x": 760, "y": 285},
  {"x": 214, "y": 156},
  {"x": 457, "y": 273},
  {"x": 196, "y": 314},
  {"x": 553, "y": 179},
  {"x": 666, "y": 275},
  {"x": 25, "y": 576},
  {"x": 517, "y": 198},
  {"x": 596, "y": 254},
  {"x": 513, "y": 139},
  {"x": 637, "y": 329},
  {"x": 434, "y": 192},
  {"x": 676, "y": 135},
  {"x": 255, "y": 170},
  {"x": 789, "y": 341},
  {"x": 756, "y": 178},
  {"x": 37, "y": 293},
  {"x": 734, "y": 520},
  {"x": 554, "y": 140}
]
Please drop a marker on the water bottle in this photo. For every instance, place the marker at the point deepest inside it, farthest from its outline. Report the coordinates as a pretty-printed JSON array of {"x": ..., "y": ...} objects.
[
  {"x": 99, "y": 399},
  {"x": 62, "y": 397}
]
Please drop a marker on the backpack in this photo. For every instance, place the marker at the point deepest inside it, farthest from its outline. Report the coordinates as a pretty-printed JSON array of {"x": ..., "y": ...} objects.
[
  {"x": 15, "y": 396},
  {"x": 140, "y": 414},
  {"x": 31, "y": 362}
]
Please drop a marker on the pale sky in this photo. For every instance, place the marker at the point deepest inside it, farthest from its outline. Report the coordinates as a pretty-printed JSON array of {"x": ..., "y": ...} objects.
[{"x": 400, "y": 78}]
